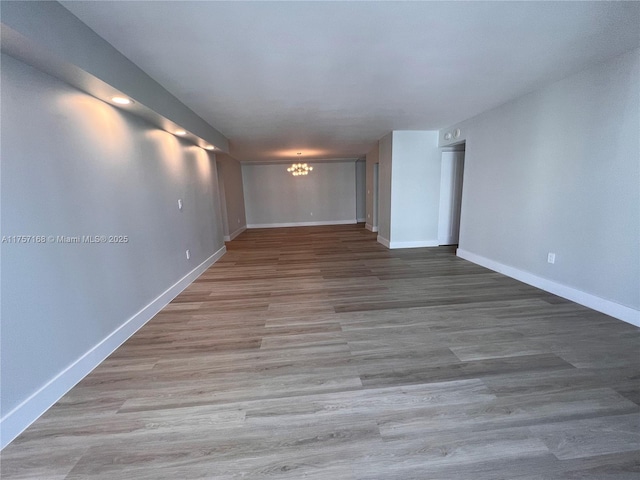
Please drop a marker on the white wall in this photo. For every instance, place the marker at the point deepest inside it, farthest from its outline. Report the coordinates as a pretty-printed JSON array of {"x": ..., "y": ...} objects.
[
  {"x": 558, "y": 171},
  {"x": 361, "y": 193},
  {"x": 415, "y": 189},
  {"x": 71, "y": 166},
  {"x": 234, "y": 195},
  {"x": 273, "y": 197}
]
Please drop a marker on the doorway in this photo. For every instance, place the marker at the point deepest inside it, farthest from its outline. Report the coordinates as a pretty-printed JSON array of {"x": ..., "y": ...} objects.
[{"x": 451, "y": 174}]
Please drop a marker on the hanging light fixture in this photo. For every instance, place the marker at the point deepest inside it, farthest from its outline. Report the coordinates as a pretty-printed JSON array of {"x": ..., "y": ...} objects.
[{"x": 297, "y": 169}]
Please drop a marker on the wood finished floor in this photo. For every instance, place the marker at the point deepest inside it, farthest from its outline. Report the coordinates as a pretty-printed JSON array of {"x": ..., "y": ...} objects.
[{"x": 316, "y": 353}]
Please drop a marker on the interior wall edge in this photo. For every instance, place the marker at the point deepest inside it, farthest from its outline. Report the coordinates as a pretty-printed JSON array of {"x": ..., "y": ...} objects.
[
  {"x": 233, "y": 235},
  {"x": 383, "y": 241}
]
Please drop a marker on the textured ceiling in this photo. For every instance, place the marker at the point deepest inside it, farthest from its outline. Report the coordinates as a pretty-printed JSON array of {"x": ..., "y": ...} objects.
[{"x": 330, "y": 78}]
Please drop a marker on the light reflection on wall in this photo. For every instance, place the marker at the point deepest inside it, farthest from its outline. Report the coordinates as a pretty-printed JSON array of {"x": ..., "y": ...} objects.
[
  {"x": 108, "y": 129},
  {"x": 170, "y": 151},
  {"x": 98, "y": 122},
  {"x": 203, "y": 161}
]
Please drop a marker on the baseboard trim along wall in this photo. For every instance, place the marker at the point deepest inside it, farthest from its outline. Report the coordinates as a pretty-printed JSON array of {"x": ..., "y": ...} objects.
[
  {"x": 426, "y": 243},
  {"x": 301, "y": 224},
  {"x": 370, "y": 227},
  {"x": 394, "y": 245},
  {"x": 228, "y": 238},
  {"x": 360, "y": 220},
  {"x": 383, "y": 241},
  {"x": 621, "y": 312},
  {"x": 18, "y": 419}
]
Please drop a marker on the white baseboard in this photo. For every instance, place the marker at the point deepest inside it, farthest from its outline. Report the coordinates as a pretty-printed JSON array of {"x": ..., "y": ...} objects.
[
  {"x": 370, "y": 227},
  {"x": 301, "y": 224},
  {"x": 18, "y": 419},
  {"x": 426, "y": 243},
  {"x": 383, "y": 241},
  {"x": 621, "y": 312},
  {"x": 228, "y": 238},
  {"x": 394, "y": 245}
]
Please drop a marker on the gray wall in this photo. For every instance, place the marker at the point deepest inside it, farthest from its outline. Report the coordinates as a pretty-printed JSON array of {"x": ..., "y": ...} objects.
[
  {"x": 372, "y": 211},
  {"x": 415, "y": 189},
  {"x": 234, "y": 193},
  {"x": 558, "y": 171},
  {"x": 273, "y": 197},
  {"x": 361, "y": 193},
  {"x": 73, "y": 165},
  {"x": 384, "y": 188}
]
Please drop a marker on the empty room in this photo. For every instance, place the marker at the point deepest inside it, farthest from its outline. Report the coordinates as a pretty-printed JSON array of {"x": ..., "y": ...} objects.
[{"x": 354, "y": 240}]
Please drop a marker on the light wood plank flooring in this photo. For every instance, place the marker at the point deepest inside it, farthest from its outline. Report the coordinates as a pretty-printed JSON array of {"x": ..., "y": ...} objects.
[{"x": 316, "y": 353}]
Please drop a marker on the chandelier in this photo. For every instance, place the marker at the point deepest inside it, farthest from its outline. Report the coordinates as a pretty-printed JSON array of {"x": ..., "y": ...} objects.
[{"x": 299, "y": 168}]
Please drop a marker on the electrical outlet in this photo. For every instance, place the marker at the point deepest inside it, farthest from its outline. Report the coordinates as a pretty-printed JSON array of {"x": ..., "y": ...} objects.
[
  {"x": 179, "y": 204},
  {"x": 551, "y": 258},
  {"x": 188, "y": 254}
]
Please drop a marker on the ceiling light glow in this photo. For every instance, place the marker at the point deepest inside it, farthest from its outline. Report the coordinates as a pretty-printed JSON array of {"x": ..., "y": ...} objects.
[
  {"x": 121, "y": 100},
  {"x": 180, "y": 132},
  {"x": 298, "y": 169}
]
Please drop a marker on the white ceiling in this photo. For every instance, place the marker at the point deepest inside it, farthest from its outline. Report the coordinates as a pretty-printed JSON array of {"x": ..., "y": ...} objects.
[{"x": 330, "y": 78}]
